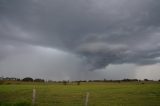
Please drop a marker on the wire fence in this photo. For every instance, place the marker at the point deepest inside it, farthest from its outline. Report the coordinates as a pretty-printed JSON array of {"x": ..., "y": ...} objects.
[{"x": 76, "y": 99}]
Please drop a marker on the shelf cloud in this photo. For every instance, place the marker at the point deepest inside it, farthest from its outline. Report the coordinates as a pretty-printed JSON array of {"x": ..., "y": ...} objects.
[{"x": 94, "y": 34}]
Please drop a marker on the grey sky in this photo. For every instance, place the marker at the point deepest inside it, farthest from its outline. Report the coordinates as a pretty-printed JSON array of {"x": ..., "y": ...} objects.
[{"x": 79, "y": 39}]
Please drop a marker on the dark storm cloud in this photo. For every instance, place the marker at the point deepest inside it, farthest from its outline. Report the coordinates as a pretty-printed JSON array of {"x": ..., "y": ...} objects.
[{"x": 102, "y": 32}]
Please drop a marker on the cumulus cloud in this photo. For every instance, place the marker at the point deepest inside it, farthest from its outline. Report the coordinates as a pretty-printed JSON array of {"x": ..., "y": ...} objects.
[{"x": 99, "y": 33}]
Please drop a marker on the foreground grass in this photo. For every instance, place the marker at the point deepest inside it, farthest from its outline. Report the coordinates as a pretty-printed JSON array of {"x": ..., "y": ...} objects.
[{"x": 101, "y": 94}]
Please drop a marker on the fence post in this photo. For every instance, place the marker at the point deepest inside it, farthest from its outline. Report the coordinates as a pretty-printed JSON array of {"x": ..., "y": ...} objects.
[
  {"x": 86, "y": 99},
  {"x": 33, "y": 96}
]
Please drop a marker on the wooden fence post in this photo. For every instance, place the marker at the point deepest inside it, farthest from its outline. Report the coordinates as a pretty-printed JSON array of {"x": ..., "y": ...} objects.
[
  {"x": 33, "y": 96},
  {"x": 86, "y": 99}
]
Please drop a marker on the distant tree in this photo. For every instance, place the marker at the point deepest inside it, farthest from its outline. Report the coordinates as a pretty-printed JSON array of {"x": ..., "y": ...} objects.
[
  {"x": 27, "y": 79},
  {"x": 64, "y": 82},
  {"x": 18, "y": 79},
  {"x": 39, "y": 80},
  {"x": 127, "y": 80},
  {"x": 146, "y": 80}
]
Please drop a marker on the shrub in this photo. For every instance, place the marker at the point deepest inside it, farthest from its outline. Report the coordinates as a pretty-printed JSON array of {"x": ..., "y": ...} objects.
[{"x": 28, "y": 79}]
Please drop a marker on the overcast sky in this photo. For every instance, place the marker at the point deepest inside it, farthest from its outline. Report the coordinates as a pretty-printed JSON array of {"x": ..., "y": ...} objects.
[{"x": 80, "y": 39}]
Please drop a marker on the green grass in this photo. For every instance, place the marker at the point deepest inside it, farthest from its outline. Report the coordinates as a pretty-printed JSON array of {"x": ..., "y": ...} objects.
[{"x": 101, "y": 94}]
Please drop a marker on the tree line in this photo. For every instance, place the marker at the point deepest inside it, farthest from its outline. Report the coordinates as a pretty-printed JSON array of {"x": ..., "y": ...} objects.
[
  {"x": 26, "y": 79},
  {"x": 29, "y": 79}
]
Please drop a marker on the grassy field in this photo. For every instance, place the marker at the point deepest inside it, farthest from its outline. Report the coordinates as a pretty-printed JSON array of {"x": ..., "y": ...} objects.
[{"x": 101, "y": 94}]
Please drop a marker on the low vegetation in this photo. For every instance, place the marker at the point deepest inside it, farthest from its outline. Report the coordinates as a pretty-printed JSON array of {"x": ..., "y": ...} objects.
[{"x": 73, "y": 94}]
